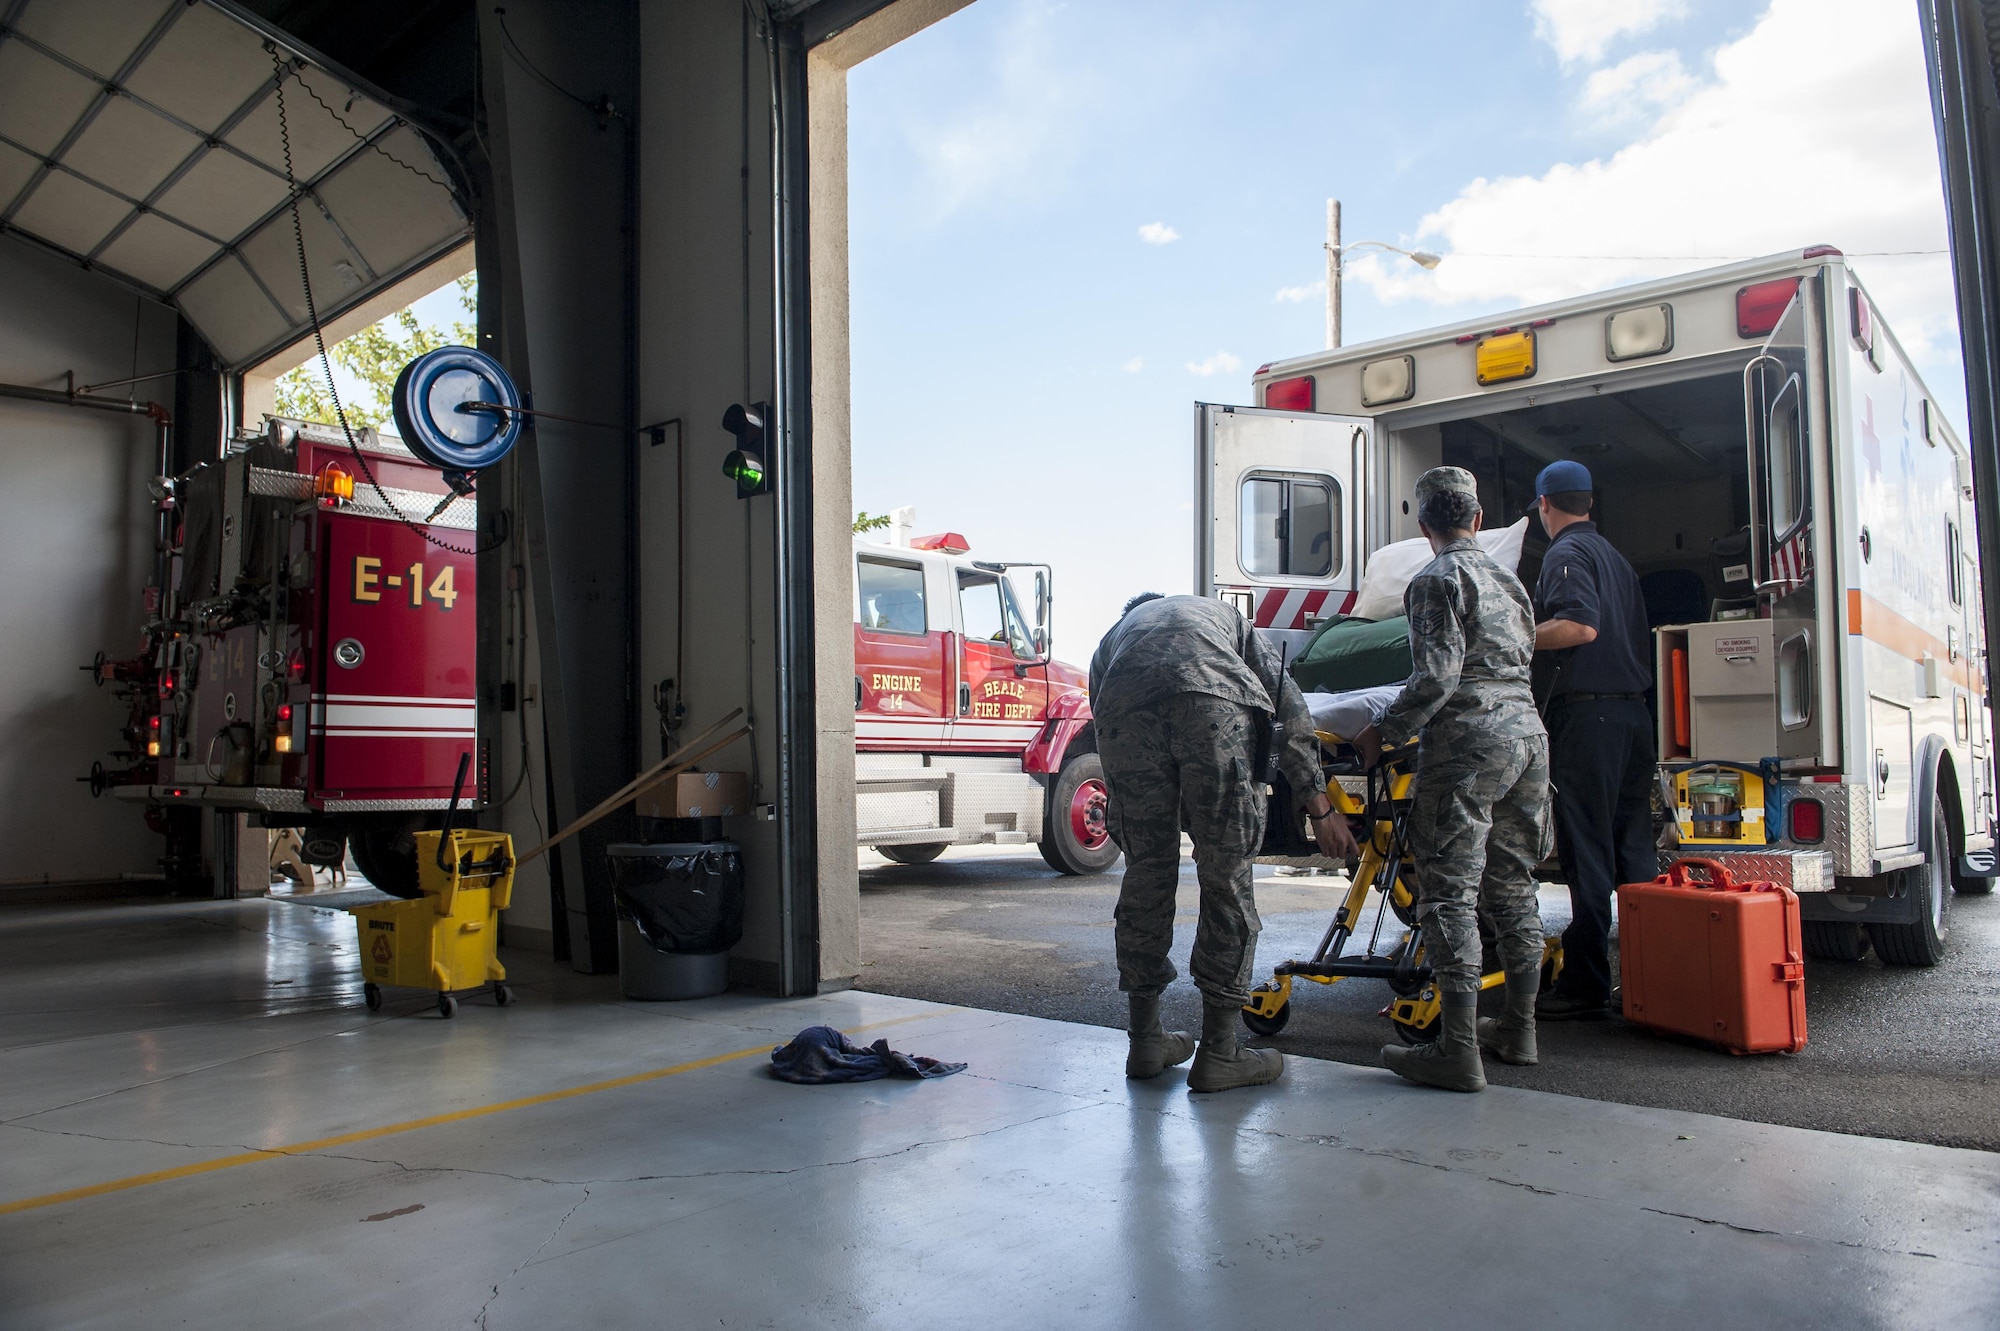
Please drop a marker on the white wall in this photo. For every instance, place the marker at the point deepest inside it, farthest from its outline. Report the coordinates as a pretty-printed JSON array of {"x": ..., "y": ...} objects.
[{"x": 75, "y": 552}]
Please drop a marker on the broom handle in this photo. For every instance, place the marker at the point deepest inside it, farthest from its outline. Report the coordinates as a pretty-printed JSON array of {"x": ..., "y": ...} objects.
[
  {"x": 632, "y": 787},
  {"x": 638, "y": 787}
]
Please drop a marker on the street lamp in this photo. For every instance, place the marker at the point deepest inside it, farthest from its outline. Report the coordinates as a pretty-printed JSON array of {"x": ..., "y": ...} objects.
[{"x": 1336, "y": 258}]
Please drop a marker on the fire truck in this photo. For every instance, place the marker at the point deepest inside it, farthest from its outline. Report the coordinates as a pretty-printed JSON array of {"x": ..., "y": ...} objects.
[
  {"x": 966, "y": 730},
  {"x": 1798, "y": 509},
  {"x": 308, "y": 657}
]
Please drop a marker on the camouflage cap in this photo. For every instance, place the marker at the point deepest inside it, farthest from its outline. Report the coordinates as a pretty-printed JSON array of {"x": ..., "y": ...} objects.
[{"x": 1438, "y": 479}]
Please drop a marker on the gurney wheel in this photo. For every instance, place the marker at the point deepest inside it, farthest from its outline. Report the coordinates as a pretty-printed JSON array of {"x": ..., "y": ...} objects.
[
  {"x": 1271, "y": 1025},
  {"x": 1415, "y": 1034}
]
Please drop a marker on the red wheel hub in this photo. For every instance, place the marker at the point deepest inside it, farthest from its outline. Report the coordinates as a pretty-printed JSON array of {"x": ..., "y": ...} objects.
[{"x": 1086, "y": 815}]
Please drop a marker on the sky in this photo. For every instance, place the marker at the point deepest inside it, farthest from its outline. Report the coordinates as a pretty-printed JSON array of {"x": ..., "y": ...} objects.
[{"x": 1070, "y": 222}]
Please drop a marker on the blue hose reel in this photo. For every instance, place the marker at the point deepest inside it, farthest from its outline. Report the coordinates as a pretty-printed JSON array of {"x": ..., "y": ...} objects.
[{"x": 457, "y": 410}]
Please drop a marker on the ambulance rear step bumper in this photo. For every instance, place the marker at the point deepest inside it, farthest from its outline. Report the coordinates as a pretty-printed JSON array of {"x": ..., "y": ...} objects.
[{"x": 1803, "y": 871}]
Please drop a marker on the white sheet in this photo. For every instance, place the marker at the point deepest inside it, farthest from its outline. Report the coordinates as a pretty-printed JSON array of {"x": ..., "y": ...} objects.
[{"x": 1348, "y": 713}]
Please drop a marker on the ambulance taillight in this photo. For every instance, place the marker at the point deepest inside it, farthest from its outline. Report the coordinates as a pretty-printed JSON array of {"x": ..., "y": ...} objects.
[
  {"x": 1760, "y": 306},
  {"x": 1294, "y": 394}
]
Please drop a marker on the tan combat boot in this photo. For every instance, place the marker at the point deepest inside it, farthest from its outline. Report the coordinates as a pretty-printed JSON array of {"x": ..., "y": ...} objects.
[
  {"x": 1450, "y": 1062},
  {"x": 1154, "y": 1047},
  {"x": 1511, "y": 1036},
  {"x": 1222, "y": 1063}
]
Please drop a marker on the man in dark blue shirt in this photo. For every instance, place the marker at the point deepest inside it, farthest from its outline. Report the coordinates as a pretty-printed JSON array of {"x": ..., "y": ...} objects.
[{"x": 1591, "y": 620}]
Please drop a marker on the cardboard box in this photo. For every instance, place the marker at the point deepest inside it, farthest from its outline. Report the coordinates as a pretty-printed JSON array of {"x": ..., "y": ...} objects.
[{"x": 697, "y": 795}]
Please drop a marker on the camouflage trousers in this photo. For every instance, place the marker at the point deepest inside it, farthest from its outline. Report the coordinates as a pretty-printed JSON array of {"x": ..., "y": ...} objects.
[
  {"x": 1479, "y": 824},
  {"x": 1185, "y": 761}
]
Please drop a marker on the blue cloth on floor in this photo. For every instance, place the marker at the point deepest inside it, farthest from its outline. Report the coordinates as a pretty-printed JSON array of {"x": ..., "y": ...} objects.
[{"x": 821, "y": 1054}]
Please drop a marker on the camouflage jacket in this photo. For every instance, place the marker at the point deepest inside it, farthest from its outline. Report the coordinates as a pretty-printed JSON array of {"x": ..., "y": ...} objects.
[
  {"x": 1472, "y": 636},
  {"x": 1191, "y": 644}
]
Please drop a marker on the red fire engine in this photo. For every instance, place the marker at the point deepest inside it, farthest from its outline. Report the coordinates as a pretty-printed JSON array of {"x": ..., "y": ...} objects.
[
  {"x": 310, "y": 661},
  {"x": 966, "y": 730}
]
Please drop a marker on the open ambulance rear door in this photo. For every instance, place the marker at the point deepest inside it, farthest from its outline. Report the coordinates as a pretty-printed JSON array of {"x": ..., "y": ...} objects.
[
  {"x": 1278, "y": 529},
  {"x": 1795, "y": 558}
]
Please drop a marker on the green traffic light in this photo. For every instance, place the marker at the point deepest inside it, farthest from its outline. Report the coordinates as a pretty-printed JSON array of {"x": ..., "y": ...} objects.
[{"x": 746, "y": 469}]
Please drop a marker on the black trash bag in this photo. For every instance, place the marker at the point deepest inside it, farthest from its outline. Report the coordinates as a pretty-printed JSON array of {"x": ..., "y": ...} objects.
[{"x": 685, "y": 898}]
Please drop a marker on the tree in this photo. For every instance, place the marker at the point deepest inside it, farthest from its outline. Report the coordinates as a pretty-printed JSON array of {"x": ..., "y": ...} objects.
[
  {"x": 374, "y": 356},
  {"x": 865, "y": 523}
]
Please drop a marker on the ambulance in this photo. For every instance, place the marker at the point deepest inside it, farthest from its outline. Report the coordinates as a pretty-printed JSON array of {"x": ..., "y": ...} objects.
[
  {"x": 1799, "y": 512},
  {"x": 967, "y": 730}
]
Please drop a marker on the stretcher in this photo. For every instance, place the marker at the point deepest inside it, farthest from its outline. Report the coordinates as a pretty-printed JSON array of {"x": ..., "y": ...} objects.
[{"x": 1377, "y": 806}]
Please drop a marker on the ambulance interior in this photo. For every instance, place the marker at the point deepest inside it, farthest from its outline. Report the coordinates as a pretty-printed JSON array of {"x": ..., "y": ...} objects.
[{"x": 1670, "y": 466}]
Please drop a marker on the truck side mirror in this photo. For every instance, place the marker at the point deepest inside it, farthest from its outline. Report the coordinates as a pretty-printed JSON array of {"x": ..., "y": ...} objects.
[{"x": 1042, "y": 600}]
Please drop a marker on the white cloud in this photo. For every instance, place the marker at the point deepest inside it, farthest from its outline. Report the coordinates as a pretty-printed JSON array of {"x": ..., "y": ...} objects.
[
  {"x": 1133, "y": 366},
  {"x": 1020, "y": 140},
  {"x": 1649, "y": 81},
  {"x": 1220, "y": 363},
  {"x": 1581, "y": 29},
  {"x": 1815, "y": 127},
  {"x": 1293, "y": 295},
  {"x": 1158, "y": 233}
]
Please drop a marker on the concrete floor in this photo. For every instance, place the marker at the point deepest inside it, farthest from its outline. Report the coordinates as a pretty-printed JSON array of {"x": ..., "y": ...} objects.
[
  {"x": 201, "y": 1125},
  {"x": 1893, "y": 1051}
]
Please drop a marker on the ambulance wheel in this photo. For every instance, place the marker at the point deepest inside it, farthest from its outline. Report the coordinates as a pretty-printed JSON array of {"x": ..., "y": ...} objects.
[
  {"x": 1076, "y": 836},
  {"x": 447, "y": 1006},
  {"x": 1271, "y": 1025},
  {"x": 371, "y": 994},
  {"x": 1834, "y": 940},
  {"x": 923, "y": 854},
  {"x": 386, "y": 854},
  {"x": 1921, "y": 942}
]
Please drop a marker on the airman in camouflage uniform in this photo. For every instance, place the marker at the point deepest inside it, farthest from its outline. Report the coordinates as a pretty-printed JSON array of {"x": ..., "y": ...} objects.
[
  {"x": 1182, "y": 690},
  {"x": 1479, "y": 821}
]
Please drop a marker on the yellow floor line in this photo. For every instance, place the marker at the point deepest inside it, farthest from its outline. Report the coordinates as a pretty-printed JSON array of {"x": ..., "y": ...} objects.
[{"x": 411, "y": 1125}]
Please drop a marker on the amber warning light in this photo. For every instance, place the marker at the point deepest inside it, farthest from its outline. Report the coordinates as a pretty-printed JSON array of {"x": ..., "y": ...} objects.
[
  {"x": 334, "y": 483},
  {"x": 1507, "y": 354}
]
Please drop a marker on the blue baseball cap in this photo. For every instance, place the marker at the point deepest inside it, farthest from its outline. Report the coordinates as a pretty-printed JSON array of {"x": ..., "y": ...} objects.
[{"x": 1561, "y": 478}]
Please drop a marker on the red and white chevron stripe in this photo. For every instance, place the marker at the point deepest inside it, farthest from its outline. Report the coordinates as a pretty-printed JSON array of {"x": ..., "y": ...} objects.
[{"x": 1289, "y": 607}]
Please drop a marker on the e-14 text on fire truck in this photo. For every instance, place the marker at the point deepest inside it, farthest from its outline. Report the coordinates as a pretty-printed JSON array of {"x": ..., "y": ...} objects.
[
  {"x": 966, "y": 729},
  {"x": 1798, "y": 509}
]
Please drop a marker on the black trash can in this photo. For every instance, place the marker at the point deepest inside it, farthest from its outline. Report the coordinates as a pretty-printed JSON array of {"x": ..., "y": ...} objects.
[{"x": 680, "y": 910}]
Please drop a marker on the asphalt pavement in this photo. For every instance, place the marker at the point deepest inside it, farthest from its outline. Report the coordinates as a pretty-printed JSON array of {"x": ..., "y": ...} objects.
[{"x": 1892, "y": 1051}]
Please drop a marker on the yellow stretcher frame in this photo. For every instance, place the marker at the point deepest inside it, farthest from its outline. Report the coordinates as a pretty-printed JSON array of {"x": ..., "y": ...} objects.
[{"x": 1415, "y": 1005}]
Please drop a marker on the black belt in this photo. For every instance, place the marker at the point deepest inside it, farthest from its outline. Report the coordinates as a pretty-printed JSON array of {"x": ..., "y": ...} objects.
[{"x": 1597, "y": 697}]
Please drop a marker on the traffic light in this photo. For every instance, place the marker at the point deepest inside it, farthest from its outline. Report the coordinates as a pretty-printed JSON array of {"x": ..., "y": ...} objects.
[{"x": 748, "y": 464}]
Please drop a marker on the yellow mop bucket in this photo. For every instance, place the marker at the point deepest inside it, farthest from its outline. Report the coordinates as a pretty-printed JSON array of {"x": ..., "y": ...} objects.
[{"x": 444, "y": 940}]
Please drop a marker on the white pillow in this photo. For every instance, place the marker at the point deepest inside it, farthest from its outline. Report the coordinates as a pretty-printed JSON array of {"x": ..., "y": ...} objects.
[{"x": 1391, "y": 568}]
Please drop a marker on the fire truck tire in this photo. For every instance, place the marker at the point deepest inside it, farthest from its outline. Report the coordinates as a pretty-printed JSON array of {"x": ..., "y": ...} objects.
[
  {"x": 1075, "y": 840},
  {"x": 1921, "y": 942},
  {"x": 922, "y": 854},
  {"x": 387, "y": 857}
]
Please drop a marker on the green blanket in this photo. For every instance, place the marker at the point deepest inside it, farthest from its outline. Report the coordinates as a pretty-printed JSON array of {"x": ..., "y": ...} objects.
[{"x": 1354, "y": 654}]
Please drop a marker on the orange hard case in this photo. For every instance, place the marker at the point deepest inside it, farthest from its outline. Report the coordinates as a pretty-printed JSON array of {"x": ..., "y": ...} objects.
[{"x": 1701, "y": 955}]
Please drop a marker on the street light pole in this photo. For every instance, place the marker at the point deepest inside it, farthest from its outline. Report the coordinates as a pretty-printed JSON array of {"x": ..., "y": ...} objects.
[
  {"x": 1336, "y": 260},
  {"x": 1332, "y": 274}
]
